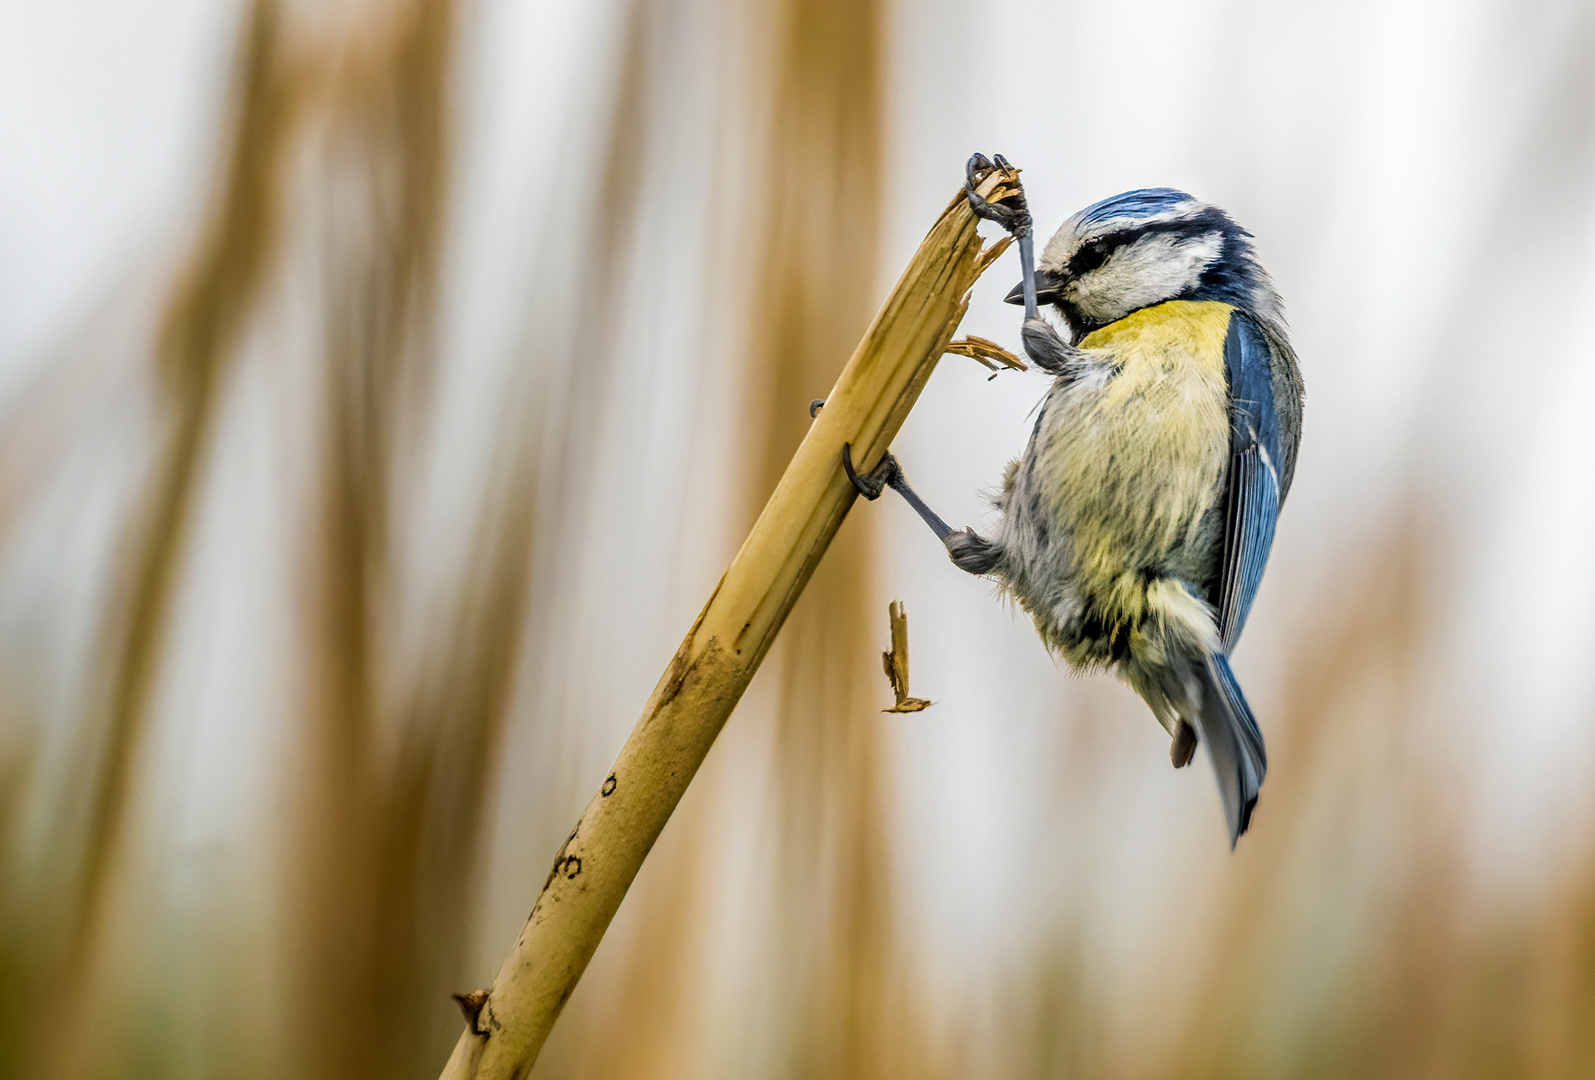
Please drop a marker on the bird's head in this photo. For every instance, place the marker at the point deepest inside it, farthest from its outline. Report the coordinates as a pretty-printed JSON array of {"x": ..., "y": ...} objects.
[{"x": 1145, "y": 247}]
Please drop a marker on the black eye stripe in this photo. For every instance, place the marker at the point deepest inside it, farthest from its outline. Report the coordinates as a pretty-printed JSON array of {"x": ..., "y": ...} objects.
[{"x": 1096, "y": 251}]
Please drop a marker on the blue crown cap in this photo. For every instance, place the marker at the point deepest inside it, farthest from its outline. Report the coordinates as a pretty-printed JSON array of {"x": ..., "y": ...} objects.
[{"x": 1143, "y": 202}]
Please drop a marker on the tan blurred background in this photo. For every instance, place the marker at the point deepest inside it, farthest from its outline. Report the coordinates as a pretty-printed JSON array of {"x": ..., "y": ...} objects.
[{"x": 383, "y": 387}]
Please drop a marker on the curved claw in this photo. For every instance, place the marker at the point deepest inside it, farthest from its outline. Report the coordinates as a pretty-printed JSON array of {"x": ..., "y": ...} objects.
[
  {"x": 873, "y": 484},
  {"x": 975, "y": 170}
]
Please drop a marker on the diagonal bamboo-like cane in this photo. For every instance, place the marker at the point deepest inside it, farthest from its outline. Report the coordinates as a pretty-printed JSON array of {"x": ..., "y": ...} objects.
[{"x": 595, "y": 866}]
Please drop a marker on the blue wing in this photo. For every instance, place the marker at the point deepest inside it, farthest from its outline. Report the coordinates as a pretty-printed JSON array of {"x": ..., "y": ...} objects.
[{"x": 1252, "y": 503}]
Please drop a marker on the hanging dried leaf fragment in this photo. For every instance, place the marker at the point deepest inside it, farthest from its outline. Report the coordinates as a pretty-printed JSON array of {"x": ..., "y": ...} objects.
[{"x": 895, "y": 661}]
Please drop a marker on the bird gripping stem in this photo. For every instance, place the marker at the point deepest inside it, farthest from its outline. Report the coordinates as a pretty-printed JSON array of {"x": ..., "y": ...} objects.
[{"x": 596, "y": 864}]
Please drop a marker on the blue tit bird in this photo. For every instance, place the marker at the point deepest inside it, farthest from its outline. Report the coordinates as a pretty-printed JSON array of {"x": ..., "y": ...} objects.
[{"x": 1135, "y": 526}]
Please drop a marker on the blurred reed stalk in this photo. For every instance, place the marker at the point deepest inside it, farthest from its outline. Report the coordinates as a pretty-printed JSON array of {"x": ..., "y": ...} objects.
[
  {"x": 713, "y": 666},
  {"x": 840, "y": 1007},
  {"x": 62, "y": 924},
  {"x": 397, "y": 755},
  {"x": 201, "y": 328},
  {"x": 398, "y": 747}
]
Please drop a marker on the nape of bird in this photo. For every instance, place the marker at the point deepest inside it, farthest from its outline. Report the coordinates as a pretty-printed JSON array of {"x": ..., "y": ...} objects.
[{"x": 1135, "y": 527}]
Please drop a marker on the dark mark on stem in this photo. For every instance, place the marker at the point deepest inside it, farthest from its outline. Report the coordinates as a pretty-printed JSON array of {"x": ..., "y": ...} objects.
[
  {"x": 676, "y": 675},
  {"x": 609, "y": 786},
  {"x": 560, "y": 861},
  {"x": 471, "y": 1006}
]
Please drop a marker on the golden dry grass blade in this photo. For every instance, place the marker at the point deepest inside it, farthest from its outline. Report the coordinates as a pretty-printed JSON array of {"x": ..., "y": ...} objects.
[{"x": 713, "y": 666}]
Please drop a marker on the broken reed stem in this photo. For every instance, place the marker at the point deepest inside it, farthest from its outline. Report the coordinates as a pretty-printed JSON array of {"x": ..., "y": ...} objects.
[
  {"x": 895, "y": 661},
  {"x": 722, "y": 651}
]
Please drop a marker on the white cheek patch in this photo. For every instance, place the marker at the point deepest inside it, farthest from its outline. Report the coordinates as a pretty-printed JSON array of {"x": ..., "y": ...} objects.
[{"x": 1153, "y": 269}]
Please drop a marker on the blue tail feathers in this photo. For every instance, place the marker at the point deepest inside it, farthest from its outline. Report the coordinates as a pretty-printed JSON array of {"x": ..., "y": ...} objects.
[{"x": 1234, "y": 743}]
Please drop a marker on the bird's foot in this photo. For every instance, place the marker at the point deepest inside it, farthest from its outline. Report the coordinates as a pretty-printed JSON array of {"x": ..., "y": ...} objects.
[
  {"x": 870, "y": 485},
  {"x": 1010, "y": 212}
]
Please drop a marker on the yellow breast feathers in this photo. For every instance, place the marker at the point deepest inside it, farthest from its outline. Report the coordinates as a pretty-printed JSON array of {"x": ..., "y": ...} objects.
[{"x": 1134, "y": 458}]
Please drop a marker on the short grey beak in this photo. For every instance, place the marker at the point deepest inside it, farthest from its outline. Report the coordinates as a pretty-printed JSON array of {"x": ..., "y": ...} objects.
[{"x": 1047, "y": 286}]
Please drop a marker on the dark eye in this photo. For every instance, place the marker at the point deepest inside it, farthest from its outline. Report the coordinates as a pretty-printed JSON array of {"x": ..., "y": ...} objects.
[{"x": 1091, "y": 254}]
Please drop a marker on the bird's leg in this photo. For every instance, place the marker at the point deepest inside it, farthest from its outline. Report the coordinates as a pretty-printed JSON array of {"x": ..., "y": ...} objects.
[
  {"x": 890, "y": 474},
  {"x": 968, "y": 550},
  {"x": 1013, "y": 214},
  {"x": 1042, "y": 342}
]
